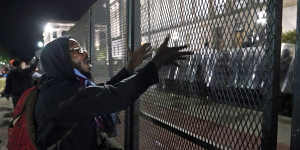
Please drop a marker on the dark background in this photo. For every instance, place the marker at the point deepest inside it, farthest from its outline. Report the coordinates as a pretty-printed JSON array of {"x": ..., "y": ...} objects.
[{"x": 23, "y": 21}]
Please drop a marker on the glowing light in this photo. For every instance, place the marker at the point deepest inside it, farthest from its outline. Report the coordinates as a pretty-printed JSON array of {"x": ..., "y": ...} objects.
[
  {"x": 262, "y": 18},
  {"x": 40, "y": 44},
  {"x": 97, "y": 45},
  {"x": 48, "y": 28}
]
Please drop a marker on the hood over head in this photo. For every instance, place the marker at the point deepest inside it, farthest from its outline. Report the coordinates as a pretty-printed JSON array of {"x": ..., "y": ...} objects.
[{"x": 56, "y": 60}]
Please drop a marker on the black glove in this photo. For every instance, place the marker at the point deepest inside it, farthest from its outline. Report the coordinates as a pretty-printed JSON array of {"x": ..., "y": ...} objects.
[{"x": 169, "y": 55}]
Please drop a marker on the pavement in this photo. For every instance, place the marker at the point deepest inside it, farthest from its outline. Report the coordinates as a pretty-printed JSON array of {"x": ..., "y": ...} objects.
[
  {"x": 284, "y": 133},
  {"x": 5, "y": 113}
]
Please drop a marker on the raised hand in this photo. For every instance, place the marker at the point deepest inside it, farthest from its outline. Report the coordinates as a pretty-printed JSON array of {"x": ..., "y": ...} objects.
[
  {"x": 137, "y": 57},
  {"x": 169, "y": 55}
]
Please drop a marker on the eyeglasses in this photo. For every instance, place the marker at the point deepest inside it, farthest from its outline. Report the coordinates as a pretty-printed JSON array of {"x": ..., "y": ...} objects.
[{"x": 79, "y": 50}]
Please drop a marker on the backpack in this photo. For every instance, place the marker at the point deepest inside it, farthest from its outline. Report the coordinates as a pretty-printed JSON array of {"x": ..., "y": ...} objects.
[{"x": 21, "y": 132}]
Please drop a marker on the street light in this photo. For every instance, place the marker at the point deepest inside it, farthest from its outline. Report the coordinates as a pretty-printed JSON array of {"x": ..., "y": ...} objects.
[
  {"x": 40, "y": 44},
  {"x": 48, "y": 28}
]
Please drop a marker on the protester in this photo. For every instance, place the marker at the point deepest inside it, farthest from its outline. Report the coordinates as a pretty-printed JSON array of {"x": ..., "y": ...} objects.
[
  {"x": 18, "y": 80},
  {"x": 4, "y": 71},
  {"x": 67, "y": 106}
]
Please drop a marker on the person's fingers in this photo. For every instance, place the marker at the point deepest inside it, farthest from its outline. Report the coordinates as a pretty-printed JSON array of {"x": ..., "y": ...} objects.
[
  {"x": 180, "y": 55},
  {"x": 148, "y": 49},
  {"x": 166, "y": 41},
  {"x": 146, "y": 45},
  {"x": 180, "y": 47},
  {"x": 143, "y": 47},
  {"x": 185, "y": 53},
  {"x": 147, "y": 56},
  {"x": 183, "y": 58}
]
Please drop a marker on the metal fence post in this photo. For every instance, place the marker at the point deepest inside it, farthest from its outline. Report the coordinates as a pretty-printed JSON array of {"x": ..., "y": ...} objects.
[
  {"x": 295, "y": 145},
  {"x": 270, "y": 108},
  {"x": 133, "y": 24}
]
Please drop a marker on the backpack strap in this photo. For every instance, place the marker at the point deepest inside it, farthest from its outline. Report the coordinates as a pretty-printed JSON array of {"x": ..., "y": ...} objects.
[
  {"x": 29, "y": 114},
  {"x": 15, "y": 120},
  {"x": 22, "y": 107}
]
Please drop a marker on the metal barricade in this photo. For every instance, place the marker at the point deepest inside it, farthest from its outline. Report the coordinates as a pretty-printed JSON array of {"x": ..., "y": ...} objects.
[{"x": 224, "y": 96}]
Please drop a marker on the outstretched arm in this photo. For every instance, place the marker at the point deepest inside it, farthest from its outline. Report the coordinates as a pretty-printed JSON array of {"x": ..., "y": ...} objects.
[
  {"x": 108, "y": 98},
  {"x": 136, "y": 58},
  {"x": 116, "y": 97}
]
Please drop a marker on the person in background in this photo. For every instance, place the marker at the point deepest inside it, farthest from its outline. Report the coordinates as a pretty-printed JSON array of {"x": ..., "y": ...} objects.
[
  {"x": 4, "y": 71},
  {"x": 18, "y": 80}
]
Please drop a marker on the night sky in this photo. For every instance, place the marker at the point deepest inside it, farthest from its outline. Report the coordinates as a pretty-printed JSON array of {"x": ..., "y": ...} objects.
[{"x": 22, "y": 21}]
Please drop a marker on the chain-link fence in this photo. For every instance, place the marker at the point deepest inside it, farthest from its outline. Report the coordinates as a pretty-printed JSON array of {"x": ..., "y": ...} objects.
[{"x": 221, "y": 97}]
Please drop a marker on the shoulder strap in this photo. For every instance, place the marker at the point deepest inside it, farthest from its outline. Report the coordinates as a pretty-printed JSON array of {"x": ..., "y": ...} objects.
[
  {"x": 29, "y": 114},
  {"x": 27, "y": 94}
]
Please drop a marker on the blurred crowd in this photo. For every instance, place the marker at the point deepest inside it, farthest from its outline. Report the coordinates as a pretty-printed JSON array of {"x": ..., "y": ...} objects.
[{"x": 20, "y": 75}]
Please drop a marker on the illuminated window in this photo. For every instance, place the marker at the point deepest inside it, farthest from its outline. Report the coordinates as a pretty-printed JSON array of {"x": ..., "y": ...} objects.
[
  {"x": 55, "y": 34},
  {"x": 100, "y": 42},
  {"x": 115, "y": 18},
  {"x": 117, "y": 49}
]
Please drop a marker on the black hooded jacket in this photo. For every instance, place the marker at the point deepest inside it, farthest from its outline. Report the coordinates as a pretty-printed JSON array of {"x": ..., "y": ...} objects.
[
  {"x": 18, "y": 80},
  {"x": 64, "y": 104}
]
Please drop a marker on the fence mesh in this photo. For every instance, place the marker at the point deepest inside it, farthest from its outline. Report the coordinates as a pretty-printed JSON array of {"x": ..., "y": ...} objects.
[
  {"x": 215, "y": 99},
  {"x": 219, "y": 97}
]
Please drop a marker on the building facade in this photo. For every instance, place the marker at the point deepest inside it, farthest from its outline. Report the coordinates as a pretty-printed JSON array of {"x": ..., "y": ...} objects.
[
  {"x": 289, "y": 15},
  {"x": 54, "y": 30}
]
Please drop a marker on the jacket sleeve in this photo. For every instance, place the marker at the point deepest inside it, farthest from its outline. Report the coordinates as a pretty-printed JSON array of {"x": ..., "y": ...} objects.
[
  {"x": 105, "y": 99},
  {"x": 117, "y": 78}
]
